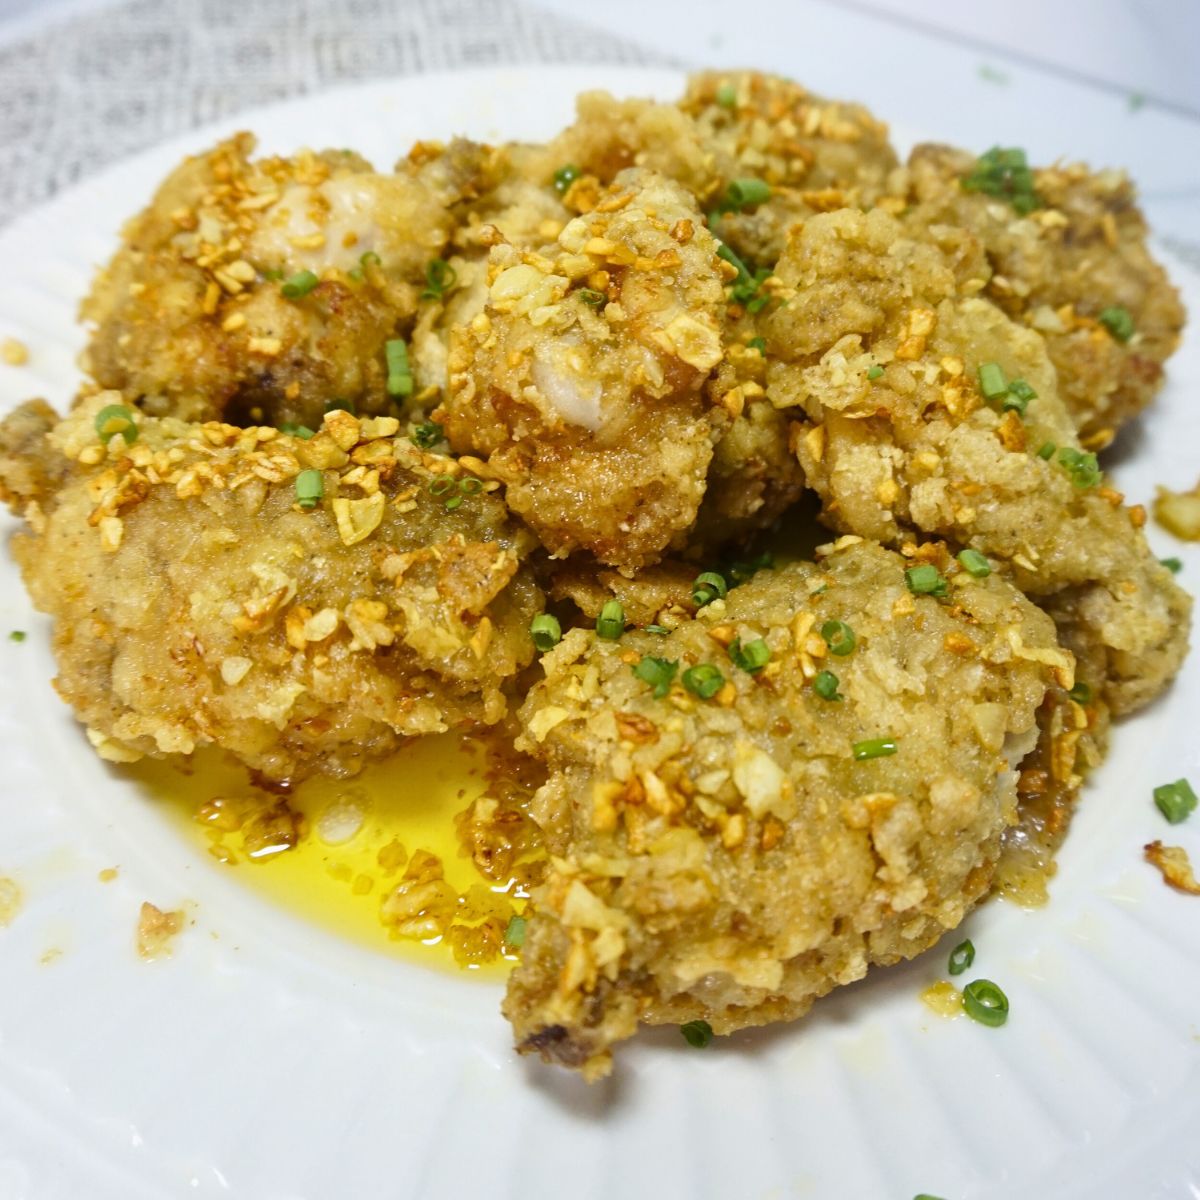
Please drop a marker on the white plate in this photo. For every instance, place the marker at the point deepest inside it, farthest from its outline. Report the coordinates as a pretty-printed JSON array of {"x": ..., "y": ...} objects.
[{"x": 270, "y": 1060}]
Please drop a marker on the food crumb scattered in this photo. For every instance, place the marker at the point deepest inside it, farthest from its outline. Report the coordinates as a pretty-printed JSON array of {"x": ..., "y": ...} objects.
[
  {"x": 108, "y": 874},
  {"x": 51, "y": 955},
  {"x": 14, "y": 353},
  {"x": 1175, "y": 866},
  {"x": 10, "y": 901},
  {"x": 943, "y": 998},
  {"x": 1179, "y": 512},
  {"x": 155, "y": 931}
]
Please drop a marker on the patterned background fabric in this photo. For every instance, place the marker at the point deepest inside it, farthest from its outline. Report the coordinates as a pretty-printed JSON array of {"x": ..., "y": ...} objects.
[{"x": 103, "y": 85}]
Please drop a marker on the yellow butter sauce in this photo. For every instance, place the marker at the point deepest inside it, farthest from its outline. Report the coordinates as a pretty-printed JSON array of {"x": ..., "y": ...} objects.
[{"x": 330, "y": 850}]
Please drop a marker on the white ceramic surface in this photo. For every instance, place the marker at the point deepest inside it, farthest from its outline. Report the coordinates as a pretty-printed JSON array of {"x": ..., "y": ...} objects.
[{"x": 269, "y": 1061}]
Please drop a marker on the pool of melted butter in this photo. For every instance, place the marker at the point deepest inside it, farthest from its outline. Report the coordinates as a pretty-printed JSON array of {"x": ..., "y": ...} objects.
[{"x": 309, "y": 865}]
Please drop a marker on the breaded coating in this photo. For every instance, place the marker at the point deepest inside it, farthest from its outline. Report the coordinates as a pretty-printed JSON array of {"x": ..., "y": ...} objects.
[
  {"x": 581, "y": 382},
  {"x": 1060, "y": 269},
  {"x": 734, "y": 858},
  {"x": 196, "y": 602},
  {"x": 192, "y": 314},
  {"x": 655, "y": 594},
  {"x": 877, "y": 351}
]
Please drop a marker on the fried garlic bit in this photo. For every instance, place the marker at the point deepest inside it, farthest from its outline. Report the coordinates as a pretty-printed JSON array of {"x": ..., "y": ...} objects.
[{"x": 1175, "y": 866}]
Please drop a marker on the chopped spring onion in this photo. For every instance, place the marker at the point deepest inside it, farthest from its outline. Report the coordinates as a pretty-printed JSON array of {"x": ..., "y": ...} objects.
[
  {"x": 344, "y": 405},
  {"x": 610, "y": 624},
  {"x": 825, "y": 684},
  {"x": 545, "y": 631},
  {"x": 961, "y": 957},
  {"x": 839, "y": 637},
  {"x": 740, "y": 571},
  {"x": 427, "y": 435},
  {"x": 709, "y": 586},
  {"x": 1006, "y": 175},
  {"x": 727, "y": 95},
  {"x": 370, "y": 259},
  {"x": 467, "y": 486},
  {"x": 514, "y": 932},
  {"x": 298, "y": 285},
  {"x": 925, "y": 580},
  {"x": 441, "y": 485},
  {"x": 974, "y": 563},
  {"x": 984, "y": 1002},
  {"x": 992, "y": 383},
  {"x": 697, "y": 1033},
  {"x": 1082, "y": 467},
  {"x": 1174, "y": 565},
  {"x": 592, "y": 298},
  {"x": 565, "y": 176},
  {"x": 874, "y": 748},
  {"x": 297, "y": 431},
  {"x": 750, "y": 656},
  {"x": 703, "y": 680},
  {"x": 659, "y": 673},
  {"x": 661, "y": 630},
  {"x": 757, "y": 343},
  {"x": 114, "y": 419},
  {"x": 440, "y": 277},
  {"x": 1046, "y": 450},
  {"x": 747, "y": 193},
  {"x": 1176, "y": 801},
  {"x": 17, "y": 635},
  {"x": 874, "y": 372},
  {"x": 399, "y": 377},
  {"x": 1118, "y": 322},
  {"x": 1081, "y": 693},
  {"x": 310, "y": 487},
  {"x": 1019, "y": 396}
]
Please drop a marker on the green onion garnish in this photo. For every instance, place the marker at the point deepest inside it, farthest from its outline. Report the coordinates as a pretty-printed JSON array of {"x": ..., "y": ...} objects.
[
  {"x": 441, "y": 485},
  {"x": 992, "y": 383},
  {"x": 342, "y": 405},
  {"x": 514, "y": 932},
  {"x": 1176, "y": 801},
  {"x": 984, "y": 1002},
  {"x": 564, "y": 177},
  {"x": 697, "y": 1033},
  {"x": 610, "y": 624},
  {"x": 1082, "y": 467},
  {"x": 661, "y": 630},
  {"x": 399, "y": 377},
  {"x": 1046, "y": 450},
  {"x": 310, "y": 487},
  {"x": 750, "y": 656},
  {"x": 297, "y": 431},
  {"x": 298, "y": 285},
  {"x": 1174, "y": 565},
  {"x": 925, "y": 580},
  {"x": 440, "y": 277},
  {"x": 1081, "y": 693},
  {"x": 703, "y": 680},
  {"x": 839, "y": 637},
  {"x": 747, "y": 193},
  {"x": 740, "y": 571},
  {"x": 961, "y": 957},
  {"x": 545, "y": 631},
  {"x": 1006, "y": 175},
  {"x": 757, "y": 343},
  {"x": 825, "y": 684},
  {"x": 427, "y": 435},
  {"x": 17, "y": 635},
  {"x": 470, "y": 486},
  {"x": 592, "y": 298},
  {"x": 114, "y": 419},
  {"x": 974, "y": 563},
  {"x": 874, "y": 748},
  {"x": 1118, "y": 321},
  {"x": 370, "y": 259},
  {"x": 727, "y": 95},
  {"x": 926, "y": 1196},
  {"x": 659, "y": 673},
  {"x": 1019, "y": 396},
  {"x": 709, "y": 586},
  {"x": 874, "y": 372}
]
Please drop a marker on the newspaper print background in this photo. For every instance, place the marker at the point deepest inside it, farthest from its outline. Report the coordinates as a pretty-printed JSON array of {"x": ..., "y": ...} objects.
[{"x": 100, "y": 86}]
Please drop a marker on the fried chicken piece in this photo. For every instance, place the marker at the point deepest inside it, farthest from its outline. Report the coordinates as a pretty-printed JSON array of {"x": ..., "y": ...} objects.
[
  {"x": 581, "y": 382},
  {"x": 193, "y": 317},
  {"x": 654, "y": 594},
  {"x": 1063, "y": 268},
  {"x": 736, "y": 857},
  {"x": 917, "y": 450},
  {"x": 196, "y": 602}
]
